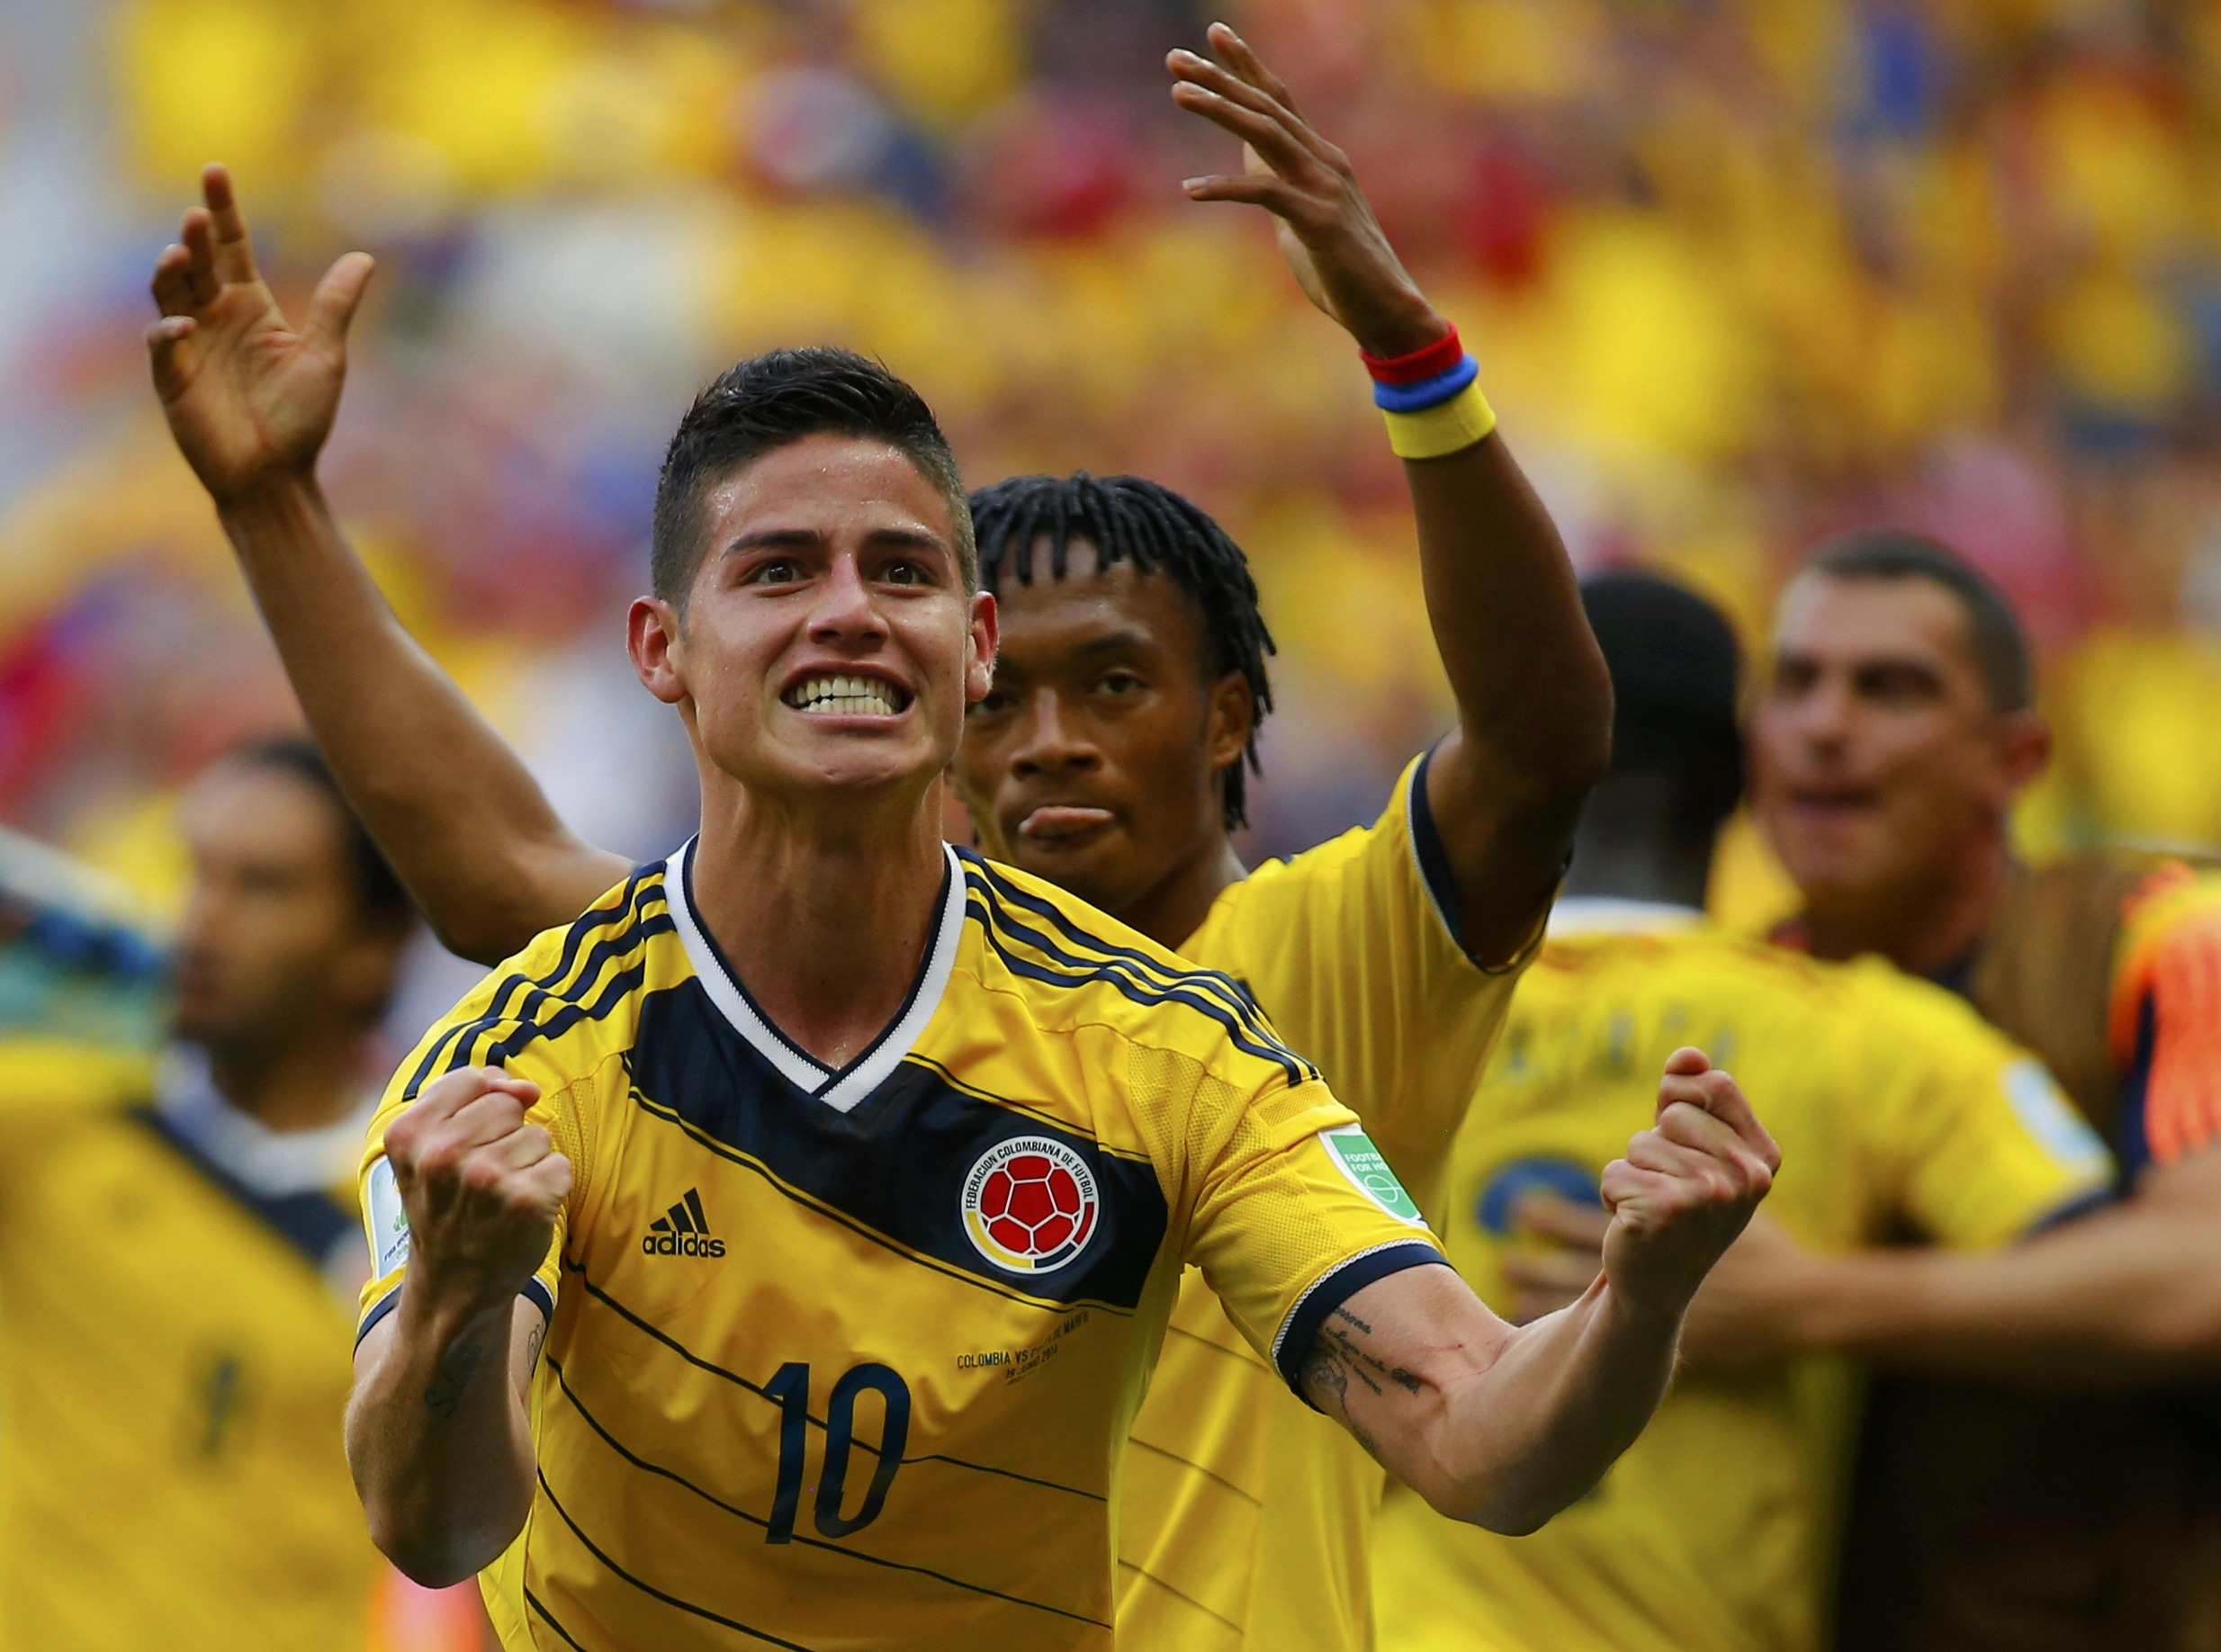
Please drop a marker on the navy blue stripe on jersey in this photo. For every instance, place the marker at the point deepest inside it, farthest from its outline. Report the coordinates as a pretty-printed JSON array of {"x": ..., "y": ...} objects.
[
  {"x": 533, "y": 1292},
  {"x": 619, "y": 928},
  {"x": 649, "y": 1589},
  {"x": 1069, "y": 971},
  {"x": 714, "y": 1369},
  {"x": 548, "y": 1617},
  {"x": 1435, "y": 868},
  {"x": 1237, "y": 997},
  {"x": 894, "y": 1164},
  {"x": 1331, "y": 1289},
  {"x": 563, "y": 1383},
  {"x": 313, "y": 1223}
]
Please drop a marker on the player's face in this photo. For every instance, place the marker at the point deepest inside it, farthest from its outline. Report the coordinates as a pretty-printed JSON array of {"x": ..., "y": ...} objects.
[
  {"x": 273, "y": 943},
  {"x": 1878, "y": 762},
  {"x": 1093, "y": 760},
  {"x": 828, "y": 644}
]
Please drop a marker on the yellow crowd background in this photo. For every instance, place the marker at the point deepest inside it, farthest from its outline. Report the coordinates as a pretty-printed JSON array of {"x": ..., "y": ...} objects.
[{"x": 1738, "y": 274}]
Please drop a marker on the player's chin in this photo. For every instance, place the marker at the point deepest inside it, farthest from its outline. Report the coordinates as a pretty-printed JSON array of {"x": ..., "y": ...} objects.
[{"x": 1095, "y": 866}]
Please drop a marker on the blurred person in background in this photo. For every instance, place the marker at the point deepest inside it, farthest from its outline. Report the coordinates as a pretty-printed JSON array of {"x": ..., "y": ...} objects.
[
  {"x": 1899, "y": 1111},
  {"x": 1109, "y": 757},
  {"x": 179, "y": 1253},
  {"x": 1891, "y": 737}
]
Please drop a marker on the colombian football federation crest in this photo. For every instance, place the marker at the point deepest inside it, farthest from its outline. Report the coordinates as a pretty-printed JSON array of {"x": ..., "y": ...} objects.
[{"x": 1030, "y": 1204}]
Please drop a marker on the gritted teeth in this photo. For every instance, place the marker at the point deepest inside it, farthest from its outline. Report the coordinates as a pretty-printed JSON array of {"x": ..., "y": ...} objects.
[{"x": 835, "y": 696}]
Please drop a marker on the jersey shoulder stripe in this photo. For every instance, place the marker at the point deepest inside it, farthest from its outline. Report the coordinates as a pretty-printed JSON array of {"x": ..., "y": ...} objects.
[
  {"x": 1058, "y": 965},
  {"x": 1237, "y": 997},
  {"x": 524, "y": 1006}
]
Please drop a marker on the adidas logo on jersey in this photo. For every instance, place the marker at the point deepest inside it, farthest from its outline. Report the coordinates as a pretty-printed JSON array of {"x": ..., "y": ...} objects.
[{"x": 683, "y": 1231}]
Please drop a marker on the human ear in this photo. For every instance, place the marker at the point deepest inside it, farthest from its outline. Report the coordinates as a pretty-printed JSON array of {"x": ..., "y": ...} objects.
[
  {"x": 979, "y": 648},
  {"x": 651, "y": 637},
  {"x": 2024, "y": 748},
  {"x": 1233, "y": 719}
]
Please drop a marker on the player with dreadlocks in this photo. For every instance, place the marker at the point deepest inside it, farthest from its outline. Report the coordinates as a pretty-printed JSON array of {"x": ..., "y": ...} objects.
[{"x": 1110, "y": 756}]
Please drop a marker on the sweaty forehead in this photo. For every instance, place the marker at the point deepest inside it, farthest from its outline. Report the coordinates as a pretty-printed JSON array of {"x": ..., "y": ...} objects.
[
  {"x": 1852, "y": 621},
  {"x": 830, "y": 485},
  {"x": 1048, "y": 614}
]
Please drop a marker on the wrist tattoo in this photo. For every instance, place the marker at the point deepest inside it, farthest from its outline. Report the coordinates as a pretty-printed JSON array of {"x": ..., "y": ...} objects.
[{"x": 453, "y": 1376}]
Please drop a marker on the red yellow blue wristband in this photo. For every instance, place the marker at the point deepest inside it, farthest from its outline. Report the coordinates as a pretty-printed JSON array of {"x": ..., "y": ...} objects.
[{"x": 1431, "y": 398}]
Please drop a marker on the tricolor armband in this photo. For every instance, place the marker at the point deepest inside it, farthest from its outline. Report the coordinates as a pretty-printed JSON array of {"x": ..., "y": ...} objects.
[
  {"x": 1444, "y": 428},
  {"x": 1431, "y": 399}
]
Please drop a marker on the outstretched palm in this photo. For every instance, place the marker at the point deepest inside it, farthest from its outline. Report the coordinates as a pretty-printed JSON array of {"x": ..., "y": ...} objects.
[
  {"x": 1327, "y": 230},
  {"x": 246, "y": 393}
]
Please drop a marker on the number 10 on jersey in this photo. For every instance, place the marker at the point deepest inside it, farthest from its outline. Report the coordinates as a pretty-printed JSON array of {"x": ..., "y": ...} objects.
[{"x": 790, "y": 1386}]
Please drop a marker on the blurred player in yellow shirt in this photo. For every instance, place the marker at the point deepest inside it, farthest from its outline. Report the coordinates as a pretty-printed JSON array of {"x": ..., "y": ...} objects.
[
  {"x": 1895, "y": 729},
  {"x": 178, "y": 1251},
  {"x": 1109, "y": 757},
  {"x": 1900, "y": 1113}
]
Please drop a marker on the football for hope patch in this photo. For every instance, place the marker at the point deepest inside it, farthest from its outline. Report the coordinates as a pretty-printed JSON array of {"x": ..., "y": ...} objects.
[
  {"x": 1369, "y": 1172},
  {"x": 1029, "y": 1205}
]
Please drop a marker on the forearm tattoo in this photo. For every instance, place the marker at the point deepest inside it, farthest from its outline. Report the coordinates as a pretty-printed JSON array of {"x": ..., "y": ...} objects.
[
  {"x": 1339, "y": 1357},
  {"x": 453, "y": 1376}
]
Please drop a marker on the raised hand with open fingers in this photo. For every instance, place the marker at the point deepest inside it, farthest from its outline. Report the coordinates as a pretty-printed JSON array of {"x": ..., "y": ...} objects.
[
  {"x": 246, "y": 391},
  {"x": 1686, "y": 1187},
  {"x": 1325, "y": 227}
]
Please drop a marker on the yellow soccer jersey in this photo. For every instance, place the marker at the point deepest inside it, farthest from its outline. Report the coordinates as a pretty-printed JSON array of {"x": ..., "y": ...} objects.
[
  {"x": 1246, "y": 1515},
  {"x": 173, "y": 1372},
  {"x": 1898, "y": 1110},
  {"x": 848, "y": 1357}
]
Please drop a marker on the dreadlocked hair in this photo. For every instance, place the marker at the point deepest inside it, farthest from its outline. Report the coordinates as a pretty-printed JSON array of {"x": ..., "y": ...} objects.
[{"x": 1130, "y": 519}]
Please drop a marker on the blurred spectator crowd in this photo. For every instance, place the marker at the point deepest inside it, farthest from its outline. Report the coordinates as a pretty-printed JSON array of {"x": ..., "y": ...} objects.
[{"x": 1740, "y": 272}]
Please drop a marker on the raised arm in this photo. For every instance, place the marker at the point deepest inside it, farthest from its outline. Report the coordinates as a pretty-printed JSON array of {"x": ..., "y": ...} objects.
[
  {"x": 250, "y": 399},
  {"x": 438, "y": 1434},
  {"x": 1534, "y": 702},
  {"x": 1503, "y": 1426}
]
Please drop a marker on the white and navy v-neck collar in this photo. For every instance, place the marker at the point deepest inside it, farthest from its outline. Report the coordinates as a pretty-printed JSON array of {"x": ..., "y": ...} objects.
[{"x": 839, "y": 1089}]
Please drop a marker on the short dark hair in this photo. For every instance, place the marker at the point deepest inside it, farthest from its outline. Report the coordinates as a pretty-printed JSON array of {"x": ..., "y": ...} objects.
[
  {"x": 1676, "y": 670},
  {"x": 1128, "y": 518},
  {"x": 1993, "y": 631},
  {"x": 384, "y": 902},
  {"x": 764, "y": 403}
]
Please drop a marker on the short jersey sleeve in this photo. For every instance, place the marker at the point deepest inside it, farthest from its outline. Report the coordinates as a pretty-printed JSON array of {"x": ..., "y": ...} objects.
[
  {"x": 1294, "y": 1209},
  {"x": 2165, "y": 1018},
  {"x": 1984, "y": 1144},
  {"x": 470, "y": 1034},
  {"x": 1352, "y": 949}
]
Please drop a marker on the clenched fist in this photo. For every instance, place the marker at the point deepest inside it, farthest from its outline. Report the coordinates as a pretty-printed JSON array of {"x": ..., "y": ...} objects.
[
  {"x": 482, "y": 1185},
  {"x": 1686, "y": 1187}
]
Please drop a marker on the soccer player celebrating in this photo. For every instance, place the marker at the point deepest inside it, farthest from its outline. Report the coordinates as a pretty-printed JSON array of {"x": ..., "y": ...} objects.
[
  {"x": 1898, "y": 1110},
  {"x": 178, "y": 1254},
  {"x": 850, "y": 1120},
  {"x": 1888, "y": 746}
]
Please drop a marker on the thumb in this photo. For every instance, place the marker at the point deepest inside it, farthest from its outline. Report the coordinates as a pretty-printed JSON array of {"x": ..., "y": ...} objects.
[{"x": 338, "y": 294}]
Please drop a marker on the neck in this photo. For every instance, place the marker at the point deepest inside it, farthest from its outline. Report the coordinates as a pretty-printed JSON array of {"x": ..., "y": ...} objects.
[
  {"x": 303, "y": 1083},
  {"x": 1924, "y": 927},
  {"x": 1621, "y": 851},
  {"x": 825, "y": 920},
  {"x": 1174, "y": 908}
]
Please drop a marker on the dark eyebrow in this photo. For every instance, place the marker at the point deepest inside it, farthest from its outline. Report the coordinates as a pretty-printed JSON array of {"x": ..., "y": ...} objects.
[{"x": 810, "y": 539}]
